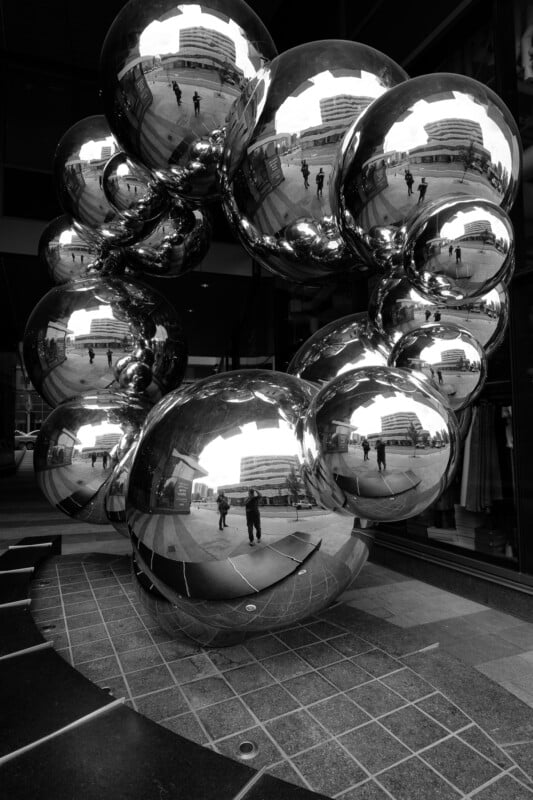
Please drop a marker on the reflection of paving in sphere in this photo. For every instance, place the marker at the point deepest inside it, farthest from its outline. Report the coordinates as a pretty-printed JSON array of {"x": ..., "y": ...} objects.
[
  {"x": 380, "y": 443},
  {"x": 78, "y": 447},
  {"x": 231, "y": 434}
]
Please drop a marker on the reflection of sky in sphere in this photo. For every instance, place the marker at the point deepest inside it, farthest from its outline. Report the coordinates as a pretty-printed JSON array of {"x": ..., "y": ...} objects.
[
  {"x": 368, "y": 420},
  {"x": 455, "y": 228},
  {"x": 92, "y": 150},
  {"x": 222, "y": 457},
  {"x": 410, "y": 133},
  {"x": 303, "y": 111},
  {"x": 163, "y": 37}
]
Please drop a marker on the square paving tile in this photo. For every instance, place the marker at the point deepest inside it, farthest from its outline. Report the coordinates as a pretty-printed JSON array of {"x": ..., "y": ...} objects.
[
  {"x": 377, "y": 663},
  {"x": 323, "y": 630},
  {"x": 265, "y": 646},
  {"x": 476, "y": 738},
  {"x": 131, "y": 640},
  {"x": 309, "y": 688},
  {"x": 338, "y": 714},
  {"x": 149, "y": 680},
  {"x": 223, "y": 719},
  {"x": 285, "y": 665},
  {"x": 162, "y": 704},
  {"x": 134, "y": 660},
  {"x": 345, "y": 675},
  {"x": 320, "y": 654},
  {"x": 349, "y": 644},
  {"x": 296, "y": 731},
  {"x": 121, "y": 626},
  {"x": 505, "y": 788},
  {"x": 207, "y": 691},
  {"x": 374, "y": 747},
  {"x": 408, "y": 684},
  {"x": 369, "y": 790},
  {"x": 444, "y": 711},
  {"x": 272, "y": 701},
  {"x": 413, "y": 728},
  {"x": 230, "y": 657},
  {"x": 329, "y": 768},
  {"x": 375, "y": 698},
  {"x": 100, "y": 668},
  {"x": 92, "y": 650},
  {"x": 459, "y": 764},
  {"x": 286, "y": 772},
  {"x": 414, "y": 780},
  {"x": 191, "y": 668},
  {"x": 297, "y": 637},
  {"x": 87, "y": 635},
  {"x": 249, "y": 677}
]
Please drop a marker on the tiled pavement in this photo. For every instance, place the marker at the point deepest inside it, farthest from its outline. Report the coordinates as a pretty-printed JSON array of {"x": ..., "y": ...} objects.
[{"x": 390, "y": 693}]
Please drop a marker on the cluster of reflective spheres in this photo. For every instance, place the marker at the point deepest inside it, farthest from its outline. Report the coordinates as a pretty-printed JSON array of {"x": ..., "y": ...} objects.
[{"x": 324, "y": 159}]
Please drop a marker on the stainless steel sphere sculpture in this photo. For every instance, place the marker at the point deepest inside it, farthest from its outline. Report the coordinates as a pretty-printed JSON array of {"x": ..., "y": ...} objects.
[{"x": 324, "y": 159}]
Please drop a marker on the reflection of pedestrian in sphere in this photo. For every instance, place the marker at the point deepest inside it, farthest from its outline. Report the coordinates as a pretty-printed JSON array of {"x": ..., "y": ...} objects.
[
  {"x": 409, "y": 181},
  {"x": 91, "y": 355},
  {"x": 109, "y": 354},
  {"x": 422, "y": 189},
  {"x": 320, "y": 182},
  {"x": 305, "y": 173},
  {"x": 439, "y": 375},
  {"x": 253, "y": 517},
  {"x": 427, "y": 313},
  {"x": 196, "y": 103},
  {"x": 450, "y": 249},
  {"x": 93, "y": 459},
  {"x": 177, "y": 91},
  {"x": 380, "y": 454},
  {"x": 457, "y": 254},
  {"x": 104, "y": 461},
  {"x": 366, "y": 448},
  {"x": 223, "y": 508},
  {"x": 437, "y": 316}
]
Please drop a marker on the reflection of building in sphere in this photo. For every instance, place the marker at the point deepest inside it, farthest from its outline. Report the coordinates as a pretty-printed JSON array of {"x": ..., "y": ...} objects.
[
  {"x": 105, "y": 332},
  {"x": 336, "y": 114},
  {"x": 399, "y": 429},
  {"x": 277, "y": 478}
]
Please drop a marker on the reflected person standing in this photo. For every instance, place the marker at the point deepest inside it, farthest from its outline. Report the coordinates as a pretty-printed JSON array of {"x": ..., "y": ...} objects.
[{"x": 253, "y": 516}]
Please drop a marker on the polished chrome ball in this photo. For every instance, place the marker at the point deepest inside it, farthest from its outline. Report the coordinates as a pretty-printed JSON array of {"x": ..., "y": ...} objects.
[
  {"x": 432, "y": 137},
  {"x": 396, "y": 308},
  {"x": 280, "y": 149},
  {"x": 171, "y": 73},
  {"x": 380, "y": 443},
  {"x": 133, "y": 190},
  {"x": 76, "y": 450},
  {"x": 79, "y": 162},
  {"x": 459, "y": 249},
  {"x": 237, "y": 435},
  {"x": 338, "y": 347},
  {"x": 178, "y": 243},
  {"x": 448, "y": 356},
  {"x": 77, "y": 332},
  {"x": 68, "y": 256}
]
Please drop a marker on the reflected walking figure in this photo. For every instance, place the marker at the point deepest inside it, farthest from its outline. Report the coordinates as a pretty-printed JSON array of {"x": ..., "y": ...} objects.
[
  {"x": 320, "y": 182},
  {"x": 223, "y": 508},
  {"x": 305, "y": 173},
  {"x": 422, "y": 189},
  {"x": 366, "y": 448},
  {"x": 253, "y": 517},
  {"x": 380, "y": 454},
  {"x": 196, "y": 103}
]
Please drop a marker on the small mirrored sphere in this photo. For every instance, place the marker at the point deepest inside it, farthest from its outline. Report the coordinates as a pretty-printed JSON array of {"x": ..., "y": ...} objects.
[
  {"x": 170, "y": 74},
  {"x": 66, "y": 254},
  {"x": 280, "y": 149},
  {"x": 434, "y": 136},
  {"x": 217, "y": 509},
  {"x": 133, "y": 190},
  {"x": 178, "y": 243},
  {"x": 448, "y": 356},
  {"x": 380, "y": 443},
  {"x": 457, "y": 249},
  {"x": 79, "y": 162},
  {"x": 338, "y": 347},
  {"x": 396, "y": 308},
  {"x": 79, "y": 331},
  {"x": 76, "y": 451}
]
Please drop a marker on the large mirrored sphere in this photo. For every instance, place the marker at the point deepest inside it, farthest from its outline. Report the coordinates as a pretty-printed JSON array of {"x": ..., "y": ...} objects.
[
  {"x": 78, "y": 331},
  {"x": 178, "y": 243},
  {"x": 280, "y": 149},
  {"x": 133, "y": 190},
  {"x": 434, "y": 136},
  {"x": 383, "y": 441},
  {"x": 79, "y": 162},
  {"x": 76, "y": 451},
  {"x": 235, "y": 439},
  {"x": 338, "y": 347},
  {"x": 448, "y": 356},
  {"x": 171, "y": 72},
  {"x": 67, "y": 255},
  {"x": 396, "y": 307},
  {"x": 457, "y": 249}
]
